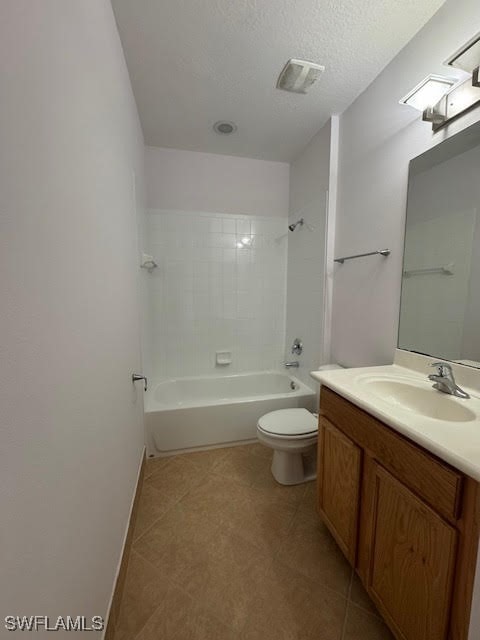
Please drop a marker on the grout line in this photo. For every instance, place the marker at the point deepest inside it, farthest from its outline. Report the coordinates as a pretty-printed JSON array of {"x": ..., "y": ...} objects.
[
  {"x": 147, "y": 621},
  {"x": 167, "y": 511},
  {"x": 210, "y": 609},
  {"x": 173, "y": 504},
  {"x": 147, "y": 560},
  {"x": 318, "y": 582},
  {"x": 138, "y": 632},
  {"x": 349, "y": 593},
  {"x": 287, "y": 532},
  {"x": 344, "y": 628}
]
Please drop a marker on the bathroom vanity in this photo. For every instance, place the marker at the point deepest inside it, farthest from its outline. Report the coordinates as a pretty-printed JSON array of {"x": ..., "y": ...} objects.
[
  {"x": 406, "y": 520},
  {"x": 399, "y": 458}
]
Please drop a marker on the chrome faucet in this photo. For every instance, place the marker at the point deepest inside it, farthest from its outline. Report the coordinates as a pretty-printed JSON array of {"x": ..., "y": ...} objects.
[
  {"x": 295, "y": 364},
  {"x": 137, "y": 376},
  {"x": 445, "y": 380}
]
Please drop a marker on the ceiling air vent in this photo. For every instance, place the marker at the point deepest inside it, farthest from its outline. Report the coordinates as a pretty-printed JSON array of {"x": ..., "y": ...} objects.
[{"x": 299, "y": 75}]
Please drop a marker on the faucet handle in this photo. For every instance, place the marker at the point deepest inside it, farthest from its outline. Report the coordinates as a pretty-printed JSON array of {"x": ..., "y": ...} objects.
[
  {"x": 443, "y": 368},
  {"x": 297, "y": 346}
]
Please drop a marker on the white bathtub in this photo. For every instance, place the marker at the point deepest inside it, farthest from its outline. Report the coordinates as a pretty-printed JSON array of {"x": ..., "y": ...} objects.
[{"x": 191, "y": 413}]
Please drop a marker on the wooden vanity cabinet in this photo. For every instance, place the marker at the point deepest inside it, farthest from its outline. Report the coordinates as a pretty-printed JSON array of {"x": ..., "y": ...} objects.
[
  {"x": 406, "y": 521},
  {"x": 339, "y": 487},
  {"x": 412, "y": 561}
]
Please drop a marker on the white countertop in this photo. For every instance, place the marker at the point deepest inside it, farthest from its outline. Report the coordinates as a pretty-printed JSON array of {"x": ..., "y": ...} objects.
[{"x": 458, "y": 443}]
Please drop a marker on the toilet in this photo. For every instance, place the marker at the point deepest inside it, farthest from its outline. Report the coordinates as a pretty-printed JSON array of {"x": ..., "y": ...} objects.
[{"x": 292, "y": 434}]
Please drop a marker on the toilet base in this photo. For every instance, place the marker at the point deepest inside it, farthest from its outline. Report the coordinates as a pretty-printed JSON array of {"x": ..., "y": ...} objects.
[{"x": 293, "y": 468}]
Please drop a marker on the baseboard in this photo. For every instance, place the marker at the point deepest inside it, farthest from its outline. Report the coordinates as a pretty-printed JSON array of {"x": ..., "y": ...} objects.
[{"x": 117, "y": 593}]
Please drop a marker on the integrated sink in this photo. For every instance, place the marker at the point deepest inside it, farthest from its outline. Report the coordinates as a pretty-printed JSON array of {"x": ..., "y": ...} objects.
[
  {"x": 418, "y": 399},
  {"x": 404, "y": 399}
]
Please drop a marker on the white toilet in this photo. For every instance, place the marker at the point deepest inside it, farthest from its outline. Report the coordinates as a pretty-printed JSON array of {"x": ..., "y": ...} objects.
[{"x": 292, "y": 434}]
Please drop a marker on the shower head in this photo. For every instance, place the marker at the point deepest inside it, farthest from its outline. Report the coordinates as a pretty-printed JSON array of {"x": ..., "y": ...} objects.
[{"x": 293, "y": 226}]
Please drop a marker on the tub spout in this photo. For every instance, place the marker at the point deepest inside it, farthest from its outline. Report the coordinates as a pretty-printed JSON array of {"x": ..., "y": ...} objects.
[
  {"x": 295, "y": 364},
  {"x": 137, "y": 376}
]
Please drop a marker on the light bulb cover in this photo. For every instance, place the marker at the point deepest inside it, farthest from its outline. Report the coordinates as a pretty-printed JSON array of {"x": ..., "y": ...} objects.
[
  {"x": 428, "y": 92},
  {"x": 467, "y": 57}
]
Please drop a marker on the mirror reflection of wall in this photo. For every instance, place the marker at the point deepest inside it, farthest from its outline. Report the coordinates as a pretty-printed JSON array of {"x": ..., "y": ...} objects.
[{"x": 440, "y": 306}]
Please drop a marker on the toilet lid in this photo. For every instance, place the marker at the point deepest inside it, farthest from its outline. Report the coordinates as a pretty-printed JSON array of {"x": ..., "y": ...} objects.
[{"x": 289, "y": 422}]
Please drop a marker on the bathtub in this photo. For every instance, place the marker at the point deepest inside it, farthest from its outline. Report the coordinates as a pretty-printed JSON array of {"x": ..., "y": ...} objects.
[{"x": 191, "y": 413}]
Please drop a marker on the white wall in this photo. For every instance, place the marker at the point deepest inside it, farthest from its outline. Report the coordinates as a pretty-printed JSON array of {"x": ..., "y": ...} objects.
[
  {"x": 309, "y": 176},
  {"x": 71, "y": 422},
  {"x": 194, "y": 181},
  {"x": 378, "y": 137}
]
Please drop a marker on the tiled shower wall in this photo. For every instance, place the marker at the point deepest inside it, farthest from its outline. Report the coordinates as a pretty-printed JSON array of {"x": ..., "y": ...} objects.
[{"x": 220, "y": 286}]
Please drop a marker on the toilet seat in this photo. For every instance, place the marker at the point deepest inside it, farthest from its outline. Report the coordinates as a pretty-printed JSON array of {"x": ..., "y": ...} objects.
[{"x": 289, "y": 423}]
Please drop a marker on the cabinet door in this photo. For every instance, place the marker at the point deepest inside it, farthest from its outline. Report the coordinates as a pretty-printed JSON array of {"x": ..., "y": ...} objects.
[
  {"x": 412, "y": 561},
  {"x": 339, "y": 466}
]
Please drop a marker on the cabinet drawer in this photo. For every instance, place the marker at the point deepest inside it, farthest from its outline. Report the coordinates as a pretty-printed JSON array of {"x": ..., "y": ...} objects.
[{"x": 431, "y": 479}]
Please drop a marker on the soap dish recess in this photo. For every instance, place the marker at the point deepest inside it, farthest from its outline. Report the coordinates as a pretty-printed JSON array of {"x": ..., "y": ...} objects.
[{"x": 223, "y": 358}]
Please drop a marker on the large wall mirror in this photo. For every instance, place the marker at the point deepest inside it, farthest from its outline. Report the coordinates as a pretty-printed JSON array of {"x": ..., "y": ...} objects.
[{"x": 440, "y": 304}]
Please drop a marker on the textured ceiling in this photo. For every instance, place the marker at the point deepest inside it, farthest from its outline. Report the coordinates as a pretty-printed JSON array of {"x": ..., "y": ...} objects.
[{"x": 193, "y": 62}]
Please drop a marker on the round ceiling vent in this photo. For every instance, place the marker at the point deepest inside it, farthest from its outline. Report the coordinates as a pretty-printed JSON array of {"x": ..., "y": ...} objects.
[{"x": 224, "y": 127}]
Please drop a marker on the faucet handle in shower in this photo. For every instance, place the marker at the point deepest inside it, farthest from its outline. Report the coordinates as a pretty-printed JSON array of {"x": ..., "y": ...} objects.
[{"x": 297, "y": 346}]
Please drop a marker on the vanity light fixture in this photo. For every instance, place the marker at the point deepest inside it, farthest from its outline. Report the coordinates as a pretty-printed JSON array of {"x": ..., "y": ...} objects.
[
  {"x": 428, "y": 92},
  {"x": 465, "y": 95},
  {"x": 467, "y": 57}
]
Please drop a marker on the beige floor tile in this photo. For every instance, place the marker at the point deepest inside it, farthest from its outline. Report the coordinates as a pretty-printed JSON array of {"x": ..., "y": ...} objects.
[
  {"x": 174, "y": 543},
  {"x": 260, "y": 450},
  {"x": 202, "y": 625},
  {"x": 251, "y": 466},
  {"x": 264, "y": 482},
  {"x": 242, "y": 464},
  {"x": 180, "y": 618},
  {"x": 219, "y": 578},
  {"x": 360, "y": 597},
  {"x": 169, "y": 617},
  {"x": 215, "y": 500},
  {"x": 361, "y": 625},
  {"x": 310, "y": 549},
  {"x": 256, "y": 515},
  {"x": 143, "y": 592},
  {"x": 151, "y": 507},
  {"x": 308, "y": 503},
  {"x": 177, "y": 477},
  {"x": 289, "y": 606},
  {"x": 152, "y": 465},
  {"x": 264, "y": 524},
  {"x": 206, "y": 460}
]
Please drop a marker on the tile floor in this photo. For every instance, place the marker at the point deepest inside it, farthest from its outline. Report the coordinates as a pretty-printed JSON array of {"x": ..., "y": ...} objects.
[{"x": 222, "y": 552}]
